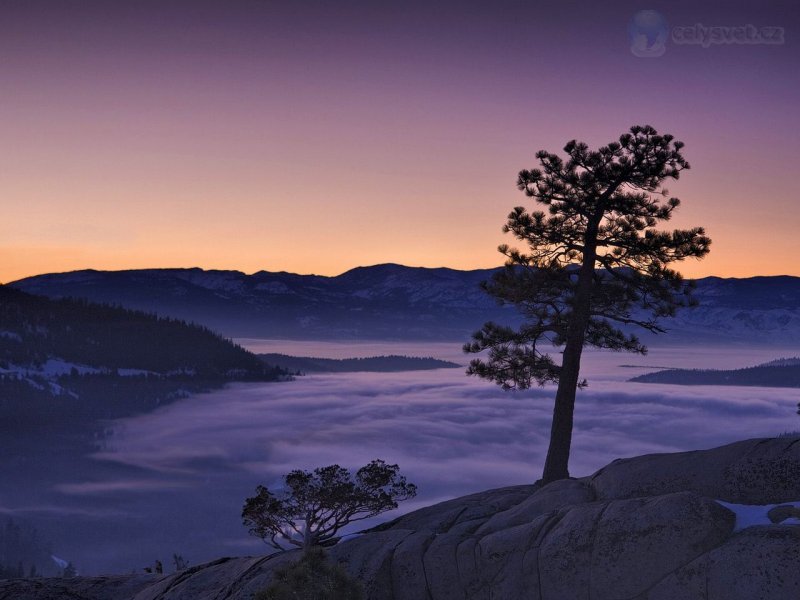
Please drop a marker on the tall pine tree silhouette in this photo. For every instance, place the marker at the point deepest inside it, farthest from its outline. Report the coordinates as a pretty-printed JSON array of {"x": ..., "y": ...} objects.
[{"x": 594, "y": 261}]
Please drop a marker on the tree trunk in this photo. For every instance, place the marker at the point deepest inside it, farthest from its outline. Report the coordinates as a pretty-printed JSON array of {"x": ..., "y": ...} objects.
[
  {"x": 308, "y": 538},
  {"x": 557, "y": 461},
  {"x": 556, "y": 465}
]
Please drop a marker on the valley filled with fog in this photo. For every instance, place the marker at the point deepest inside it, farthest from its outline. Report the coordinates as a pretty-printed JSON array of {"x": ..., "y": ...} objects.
[{"x": 174, "y": 480}]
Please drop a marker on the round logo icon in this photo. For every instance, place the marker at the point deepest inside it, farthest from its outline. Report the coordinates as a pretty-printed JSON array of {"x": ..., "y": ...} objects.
[{"x": 648, "y": 32}]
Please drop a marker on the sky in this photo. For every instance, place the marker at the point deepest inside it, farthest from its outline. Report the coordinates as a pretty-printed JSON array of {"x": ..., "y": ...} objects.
[{"x": 315, "y": 137}]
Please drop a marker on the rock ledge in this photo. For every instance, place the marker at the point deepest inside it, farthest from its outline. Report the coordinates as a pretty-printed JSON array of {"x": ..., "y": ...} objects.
[{"x": 644, "y": 528}]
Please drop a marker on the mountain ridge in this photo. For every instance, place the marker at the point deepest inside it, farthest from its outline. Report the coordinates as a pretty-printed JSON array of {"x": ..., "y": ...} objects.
[{"x": 392, "y": 301}]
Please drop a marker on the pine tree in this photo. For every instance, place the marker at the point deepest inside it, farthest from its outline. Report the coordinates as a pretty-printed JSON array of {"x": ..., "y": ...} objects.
[
  {"x": 314, "y": 505},
  {"x": 69, "y": 571},
  {"x": 593, "y": 262}
]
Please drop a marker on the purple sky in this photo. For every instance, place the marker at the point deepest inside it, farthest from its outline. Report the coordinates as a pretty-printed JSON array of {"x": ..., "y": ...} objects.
[{"x": 317, "y": 136}]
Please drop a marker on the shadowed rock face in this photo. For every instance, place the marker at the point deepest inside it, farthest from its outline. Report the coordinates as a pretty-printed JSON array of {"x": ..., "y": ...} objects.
[
  {"x": 646, "y": 528},
  {"x": 761, "y": 471}
]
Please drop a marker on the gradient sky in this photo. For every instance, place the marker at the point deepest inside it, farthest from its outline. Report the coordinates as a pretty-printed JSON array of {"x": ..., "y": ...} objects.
[{"x": 318, "y": 136}]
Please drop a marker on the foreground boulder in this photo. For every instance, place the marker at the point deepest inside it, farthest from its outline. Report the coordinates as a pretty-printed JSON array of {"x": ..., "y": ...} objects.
[
  {"x": 646, "y": 528},
  {"x": 761, "y": 471}
]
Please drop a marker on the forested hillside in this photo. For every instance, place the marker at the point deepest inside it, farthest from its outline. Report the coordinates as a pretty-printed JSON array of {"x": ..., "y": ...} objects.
[
  {"x": 34, "y": 330},
  {"x": 377, "y": 364},
  {"x": 23, "y": 552},
  {"x": 779, "y": 373},
  {"x": 68, "y": 361}
]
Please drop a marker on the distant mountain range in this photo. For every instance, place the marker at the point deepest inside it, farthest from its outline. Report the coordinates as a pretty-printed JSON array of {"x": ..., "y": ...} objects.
[{"x": 394, "y": 302}]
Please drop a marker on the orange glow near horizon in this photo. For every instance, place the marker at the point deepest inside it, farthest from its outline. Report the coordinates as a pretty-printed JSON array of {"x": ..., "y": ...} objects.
[
  {"x": 21, "y": 262},
  {"x": 251, "y": 138},
  {"x": 146, "y": 205}
]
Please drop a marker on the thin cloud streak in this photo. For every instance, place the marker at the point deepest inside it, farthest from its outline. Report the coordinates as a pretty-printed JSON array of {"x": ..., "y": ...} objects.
[{"x": 89, "y": 488}]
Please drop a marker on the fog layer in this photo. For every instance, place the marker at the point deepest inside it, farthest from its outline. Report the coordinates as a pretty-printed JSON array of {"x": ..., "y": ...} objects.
[{"x": 175, "y": 480}]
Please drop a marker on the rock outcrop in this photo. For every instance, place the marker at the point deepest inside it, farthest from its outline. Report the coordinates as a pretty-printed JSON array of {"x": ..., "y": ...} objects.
[
  {"x": 761, "y": 471},
  {"x": 646, "y": 528}
]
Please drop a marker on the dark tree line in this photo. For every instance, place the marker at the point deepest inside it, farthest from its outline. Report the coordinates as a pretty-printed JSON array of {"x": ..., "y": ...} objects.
[
  {"x": 379, "y": 364},
  {"x": 175, "y": 359},
  {"x": 23, "y": 552},
  {"x": 761, "y": 376},
  {"x": 35, "y": 329}
]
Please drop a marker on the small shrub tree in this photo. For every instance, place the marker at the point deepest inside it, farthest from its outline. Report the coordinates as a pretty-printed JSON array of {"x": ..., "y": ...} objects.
[
  {"x": 179, "y": 562},
  {"x": 313, "y": 506}
]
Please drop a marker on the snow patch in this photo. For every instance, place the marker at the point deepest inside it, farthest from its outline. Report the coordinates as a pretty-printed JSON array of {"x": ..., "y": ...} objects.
[
  {"x": 181, "y": 371},
  {"x": 55, "y": 367},
  {"x": 59, "y": 561},
  {"x": 231, "y": 281},
  {"x": 12, "y": 369},
  {"x": 134, "y": 372},
  {"x": 748, "y": 515},
  {"x": 273, "y": 287}
]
